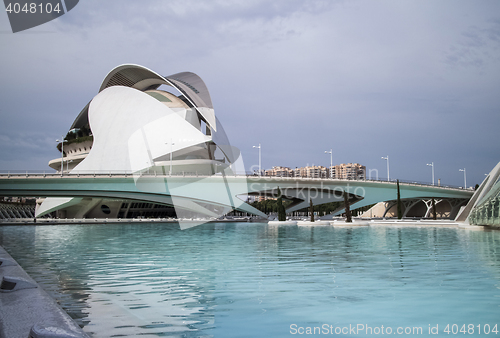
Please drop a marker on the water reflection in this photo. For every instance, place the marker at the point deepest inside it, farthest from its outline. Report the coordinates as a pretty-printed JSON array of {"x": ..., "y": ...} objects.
[{"x": 255, "y": 280}]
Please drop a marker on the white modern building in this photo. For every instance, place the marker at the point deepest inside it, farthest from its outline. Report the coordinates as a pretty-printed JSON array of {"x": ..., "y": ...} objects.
[{"x": 141, "y": 121}]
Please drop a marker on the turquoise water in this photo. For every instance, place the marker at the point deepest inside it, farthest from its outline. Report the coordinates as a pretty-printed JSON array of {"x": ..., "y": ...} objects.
[{"x": 254, "y": 280}]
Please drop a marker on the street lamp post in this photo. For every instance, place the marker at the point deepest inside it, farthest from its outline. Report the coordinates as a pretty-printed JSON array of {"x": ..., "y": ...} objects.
[
  {"x": 465, "y": 177},
  {"x": 62, "y": 154},
  {"x": 171, "y": 144},
  {"x": 260, "y": 159},
  {"x": 432, "y": 165},
  {"x": 331, "y": 161},
  {"x": 387, "y": 159}
]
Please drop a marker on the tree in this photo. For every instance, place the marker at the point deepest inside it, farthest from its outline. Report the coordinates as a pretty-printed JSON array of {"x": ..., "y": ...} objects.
[
  {"x": 400, "y": 209},
  {"x": 434, "y": 213},
  {"x": 281, "y": 208},
  {"x": 348, "y": 215},
  {"x": 311, "y": 209}
]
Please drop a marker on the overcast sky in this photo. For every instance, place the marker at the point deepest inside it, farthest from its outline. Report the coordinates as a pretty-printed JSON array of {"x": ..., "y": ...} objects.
[{"x": 416, "y": 80}]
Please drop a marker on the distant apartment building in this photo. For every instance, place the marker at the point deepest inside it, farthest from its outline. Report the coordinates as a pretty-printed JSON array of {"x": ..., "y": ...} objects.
[
  {"x": 309, "y": 171},
  {"x": 280, "y": 172},
  {"x": 349, "y": 171},
  {"x": 316, "y": 171}
]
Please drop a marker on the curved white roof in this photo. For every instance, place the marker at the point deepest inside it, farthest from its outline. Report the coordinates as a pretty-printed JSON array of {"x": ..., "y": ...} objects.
[{"x": 141, "y": 78}]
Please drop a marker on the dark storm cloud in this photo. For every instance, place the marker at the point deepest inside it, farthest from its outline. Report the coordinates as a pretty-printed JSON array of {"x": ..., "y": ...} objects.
[{"x": 477, "y": 46}]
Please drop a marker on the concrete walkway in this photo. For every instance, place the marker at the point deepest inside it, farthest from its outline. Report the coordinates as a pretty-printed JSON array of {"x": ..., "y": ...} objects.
[{"x": 25, "y": 308}]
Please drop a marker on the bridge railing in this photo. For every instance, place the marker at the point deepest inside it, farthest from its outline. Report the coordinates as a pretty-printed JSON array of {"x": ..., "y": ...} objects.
[{"x": 153, "y": 173}]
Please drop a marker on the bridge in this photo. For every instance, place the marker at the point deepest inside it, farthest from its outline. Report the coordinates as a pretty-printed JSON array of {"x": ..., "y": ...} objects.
[{"x": 211, "y": 195}]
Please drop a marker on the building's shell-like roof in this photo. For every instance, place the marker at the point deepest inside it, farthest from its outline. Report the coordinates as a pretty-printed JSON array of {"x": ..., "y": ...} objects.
[{"x": 190, "y": 85}]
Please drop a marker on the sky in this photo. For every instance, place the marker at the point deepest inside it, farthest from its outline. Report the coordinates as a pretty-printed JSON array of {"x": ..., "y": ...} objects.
[{"x": 418, "y": 81}]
